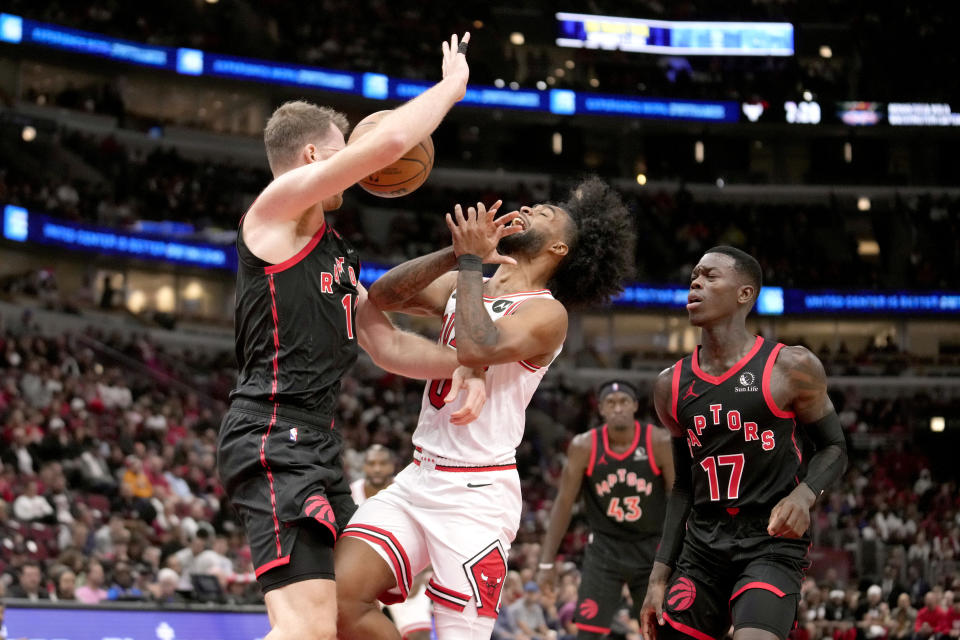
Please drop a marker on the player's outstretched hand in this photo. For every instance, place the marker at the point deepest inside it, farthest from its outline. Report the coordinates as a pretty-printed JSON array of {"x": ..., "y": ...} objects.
[
  {"x": 791, "y": 517},
  {"x": 651, "y": 613},
  {"x": 455, "y": 60},
  {"x": 478, "y": 233},
  {"x": 472, "y": 382}
]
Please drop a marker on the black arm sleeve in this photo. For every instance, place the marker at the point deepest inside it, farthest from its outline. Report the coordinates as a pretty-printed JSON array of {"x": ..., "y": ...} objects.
[
  {"x": 678, "y": 505},
  {"x": 830, "y": 460}
]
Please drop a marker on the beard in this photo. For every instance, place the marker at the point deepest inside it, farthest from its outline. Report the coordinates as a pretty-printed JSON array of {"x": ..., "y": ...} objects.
[{"x": 526, "y": 243}]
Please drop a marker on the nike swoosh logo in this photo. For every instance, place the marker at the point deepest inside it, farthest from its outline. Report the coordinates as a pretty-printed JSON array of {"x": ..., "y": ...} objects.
[{"x": 470, "y": 485}]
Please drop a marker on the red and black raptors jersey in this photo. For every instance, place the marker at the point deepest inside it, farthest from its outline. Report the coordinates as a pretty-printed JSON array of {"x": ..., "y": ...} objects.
[
  {"x": 295, "y": 326},
  {"x": 623, "y": 493},
  {"x": 743, "y": 446}
]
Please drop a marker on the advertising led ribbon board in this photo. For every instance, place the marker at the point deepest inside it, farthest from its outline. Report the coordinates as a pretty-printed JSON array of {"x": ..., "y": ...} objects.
[
  {"x": 16, "y": 30},
  {"x": 20, "y": 225},
  {"x": 672, "y": 37},
  {"x": 130, "y": 624}
]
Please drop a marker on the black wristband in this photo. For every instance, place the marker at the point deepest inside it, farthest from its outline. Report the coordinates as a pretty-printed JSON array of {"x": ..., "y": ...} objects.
[{"x": 469, "y": 262}]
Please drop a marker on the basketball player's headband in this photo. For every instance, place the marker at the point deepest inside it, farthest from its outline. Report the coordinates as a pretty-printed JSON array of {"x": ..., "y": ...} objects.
[{"x": 617, "y": 386}]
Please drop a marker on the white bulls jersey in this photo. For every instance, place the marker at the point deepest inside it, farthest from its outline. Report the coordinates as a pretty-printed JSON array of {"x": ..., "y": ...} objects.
[
  {"x": 494, "y": 436},
  {"x": 357, "y": 491}
]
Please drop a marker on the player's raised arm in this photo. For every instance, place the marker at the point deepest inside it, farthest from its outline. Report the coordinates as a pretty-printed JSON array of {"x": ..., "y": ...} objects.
[
  {"x": 799, "y": 377},
  {"x": 423, "y": 285},
  {"x": 536, "y": 330},
  {"x": 295, "y": 190},
  {"x": 578, "y": 456}
]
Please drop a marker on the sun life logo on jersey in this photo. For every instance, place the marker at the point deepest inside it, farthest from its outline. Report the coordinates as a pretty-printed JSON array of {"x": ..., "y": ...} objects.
[
  {"x": 747, "y": 380},
  {"x": 640, "y": 454}
]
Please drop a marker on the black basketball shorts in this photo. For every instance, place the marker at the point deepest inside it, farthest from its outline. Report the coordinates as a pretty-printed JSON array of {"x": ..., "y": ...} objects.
[
  {"x": 608, "y": 564},
  {"x": 283, "y": 472},
  {"x": 732, "y": 571}
]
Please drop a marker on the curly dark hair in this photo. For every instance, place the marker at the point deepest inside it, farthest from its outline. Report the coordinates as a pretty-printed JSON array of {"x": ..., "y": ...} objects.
[{"x": 601, "y": 247}]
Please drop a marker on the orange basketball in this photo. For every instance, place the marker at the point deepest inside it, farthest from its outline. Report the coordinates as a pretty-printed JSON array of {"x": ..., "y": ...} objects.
[{"x": 403, "y": 176}]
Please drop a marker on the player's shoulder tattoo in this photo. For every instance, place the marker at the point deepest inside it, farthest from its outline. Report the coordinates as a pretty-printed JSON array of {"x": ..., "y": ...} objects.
[{"x": 802, "y": 368}]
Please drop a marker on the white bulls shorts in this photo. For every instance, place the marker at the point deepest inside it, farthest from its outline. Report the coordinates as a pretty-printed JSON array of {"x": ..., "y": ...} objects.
[{"x": 461, "y": 520}]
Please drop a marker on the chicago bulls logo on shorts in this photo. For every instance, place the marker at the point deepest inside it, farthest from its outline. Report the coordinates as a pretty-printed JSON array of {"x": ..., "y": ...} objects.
[
  {"x": 681, "y": 595},
  {"x": 486, "y": 572}
]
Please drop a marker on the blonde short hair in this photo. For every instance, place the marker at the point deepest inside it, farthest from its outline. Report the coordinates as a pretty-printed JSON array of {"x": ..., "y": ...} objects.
[{"x": 295, "y": 124}]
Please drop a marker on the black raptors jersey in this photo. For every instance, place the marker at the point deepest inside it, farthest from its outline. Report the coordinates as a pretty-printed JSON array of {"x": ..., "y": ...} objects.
[
  {"x": 744, "y": 447},
  {"x": 295, "y": 326},
  {"x": 623, "y": 493}
]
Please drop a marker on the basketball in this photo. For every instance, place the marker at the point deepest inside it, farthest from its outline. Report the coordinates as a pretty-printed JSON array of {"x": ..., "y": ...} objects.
[{"x": 403, "y": 176}]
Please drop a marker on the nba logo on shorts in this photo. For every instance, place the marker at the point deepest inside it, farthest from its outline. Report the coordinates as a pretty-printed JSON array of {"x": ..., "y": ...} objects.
[
  {"x": 293, "y": 434},
  {"x": 681, "y": 595}
]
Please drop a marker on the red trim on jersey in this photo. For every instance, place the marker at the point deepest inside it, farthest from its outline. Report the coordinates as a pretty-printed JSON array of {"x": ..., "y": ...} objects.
[
  {"x": 675, "y": 389},
  {"x": 633, "y": 445},
  {"x": 593, "y": 451},
  {"x": 395, "y": 552},
  {"x": 532, "y": 368},
  {"x": 497, "y": 467},
  {"x": 461, "y": 468},
  {"x": 793, "y": 438},
  {"x": 514, "y": 306},
  {"x": 590, "y": 628},
  {"x": 289, "y": 262},
  {"x": 682, "y": 628},
  {"x": 273, "y": 564},
  {"x": 766, "y": 586},
  {"x": 273, "y": 418},
  {"x": 765, "y": 383},
  {"x": 653, "y": 460},
  {"x": 447, "y": 329},
  {"x": 409, "y": 631},
  {"x": 732, "y": 370}
]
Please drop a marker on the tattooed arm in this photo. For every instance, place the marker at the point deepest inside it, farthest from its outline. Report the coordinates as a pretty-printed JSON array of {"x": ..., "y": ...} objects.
[
  {"x": 422, "y": 286},
  {"x": 418, "y": 287},
  {"x": 799, "y": 384},
  {"x": 533, "y": 333}
]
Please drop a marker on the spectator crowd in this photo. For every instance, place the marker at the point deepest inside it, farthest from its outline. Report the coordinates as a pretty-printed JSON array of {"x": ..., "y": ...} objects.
[{"x": 108, "y": 491}]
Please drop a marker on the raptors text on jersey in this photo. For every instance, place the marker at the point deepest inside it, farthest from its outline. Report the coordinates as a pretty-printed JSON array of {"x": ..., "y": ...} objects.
[
  {"x": 743, "y": 446},
  {"x": 623, "y": 493}
]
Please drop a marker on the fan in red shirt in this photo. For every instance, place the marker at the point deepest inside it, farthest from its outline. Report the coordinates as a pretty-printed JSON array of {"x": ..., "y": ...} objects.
[
  {"x": 930, "y": 618},
  {"x": 950, "y": 620}
]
